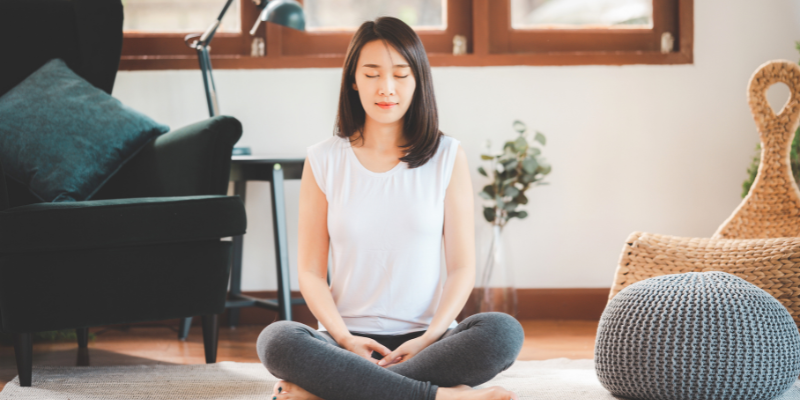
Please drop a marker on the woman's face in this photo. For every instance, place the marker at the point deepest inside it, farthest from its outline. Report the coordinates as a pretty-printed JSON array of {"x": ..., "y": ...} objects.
[{"x": 384, "y": 82}]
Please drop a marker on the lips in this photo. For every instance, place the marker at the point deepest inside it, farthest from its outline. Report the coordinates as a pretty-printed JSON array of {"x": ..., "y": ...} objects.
[{"x": 386, "y": 106}]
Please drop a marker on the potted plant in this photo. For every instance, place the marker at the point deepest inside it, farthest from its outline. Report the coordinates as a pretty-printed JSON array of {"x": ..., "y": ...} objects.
[{"x": 512, "y": 171}]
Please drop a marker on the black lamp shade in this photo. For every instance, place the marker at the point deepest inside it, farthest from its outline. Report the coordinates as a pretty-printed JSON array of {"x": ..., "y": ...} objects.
[{"x": 288, "y": 13}]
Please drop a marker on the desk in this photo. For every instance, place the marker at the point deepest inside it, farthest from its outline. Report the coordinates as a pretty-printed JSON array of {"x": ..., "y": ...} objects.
[{"x": 274, "y": 169}]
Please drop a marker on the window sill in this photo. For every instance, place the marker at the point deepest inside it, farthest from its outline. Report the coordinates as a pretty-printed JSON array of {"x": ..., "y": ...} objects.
[{"x": 134, "y": 63}]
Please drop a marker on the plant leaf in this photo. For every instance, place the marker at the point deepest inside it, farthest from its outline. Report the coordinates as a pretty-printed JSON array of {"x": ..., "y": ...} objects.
[
  {"x": 500, "y": 203},
  {"x": 543, "y": 169},
  {"x": 489, "y": 214},
  {"x": 489, "y": 189},
  {"x": 510, "y": 206},
  {"x": 540, "y": 138},
  {"x": 511, "y": 164},
  {"x": 522, "y": 214},
  {"x": 529, "y": 164},
  {"x": 528, "y": 178},
  {"x": 509, "y": 147},
  {"x": 487, "y": 157},
  {"x": 521, "y": 198},
  {"x": 486, "y": 196},
  {"x": 482, "y": 172},
  {"x": 521, "y": 144},
  {"x": 511, "y": 191},
  {"x": 520, "y": 127}
]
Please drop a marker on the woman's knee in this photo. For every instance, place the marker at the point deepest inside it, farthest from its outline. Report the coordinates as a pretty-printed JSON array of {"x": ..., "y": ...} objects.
[
  {"x": 276, "y": 341},
  {"x": 503, "y": 333}
]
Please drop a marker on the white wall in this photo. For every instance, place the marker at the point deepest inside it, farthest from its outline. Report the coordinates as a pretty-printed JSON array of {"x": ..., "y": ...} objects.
[{"x": 662, "y": 149}]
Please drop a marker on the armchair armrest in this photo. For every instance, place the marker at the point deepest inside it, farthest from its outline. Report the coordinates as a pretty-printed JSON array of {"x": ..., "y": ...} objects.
[
  {"x": 77, "y": 225},
  {"x": 194, "y": 160}
]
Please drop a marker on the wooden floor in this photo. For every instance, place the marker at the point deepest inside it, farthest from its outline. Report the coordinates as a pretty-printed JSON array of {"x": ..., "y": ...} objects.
[{"x": 544, "y": 339}]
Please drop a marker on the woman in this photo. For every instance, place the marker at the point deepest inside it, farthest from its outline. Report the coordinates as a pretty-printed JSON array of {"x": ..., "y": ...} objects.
[{"x": 382, "y": 193}]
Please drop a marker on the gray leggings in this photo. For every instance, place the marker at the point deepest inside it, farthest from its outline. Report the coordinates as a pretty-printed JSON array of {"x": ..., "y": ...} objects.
[{"x": 472, "y": 353}]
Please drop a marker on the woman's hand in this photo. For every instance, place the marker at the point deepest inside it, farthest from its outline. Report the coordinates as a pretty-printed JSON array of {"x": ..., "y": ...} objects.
[
  {"x": 364, "y": 347},
  {"x": 405, "y": 351}
]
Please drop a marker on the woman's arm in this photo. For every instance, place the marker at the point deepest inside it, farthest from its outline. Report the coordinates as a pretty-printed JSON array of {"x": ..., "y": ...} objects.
[
  {"x": 312, "y": 265},
  {"x": 459, "y": 248},
  {"x": 312, "y": 257}
]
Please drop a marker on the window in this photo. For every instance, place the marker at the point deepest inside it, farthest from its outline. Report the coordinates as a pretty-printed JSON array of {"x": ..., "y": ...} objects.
[
  {"x": 497, "y": 32},
  {"x": 154, "y": 31}
]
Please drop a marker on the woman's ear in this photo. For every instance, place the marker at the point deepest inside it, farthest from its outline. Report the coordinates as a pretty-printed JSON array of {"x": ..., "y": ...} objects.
[{"x": 355, "y": 87}]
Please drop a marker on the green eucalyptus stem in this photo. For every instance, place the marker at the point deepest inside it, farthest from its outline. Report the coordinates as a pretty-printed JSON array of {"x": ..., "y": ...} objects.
[{"x": 522, "y": 166}]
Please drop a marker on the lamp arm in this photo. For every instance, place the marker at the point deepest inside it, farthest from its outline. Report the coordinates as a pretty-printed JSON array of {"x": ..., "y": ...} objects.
[
  {"x": 261, "y": 17},
  {"x": 202, "y": 48},
  {"x": 212, "y": 29}
]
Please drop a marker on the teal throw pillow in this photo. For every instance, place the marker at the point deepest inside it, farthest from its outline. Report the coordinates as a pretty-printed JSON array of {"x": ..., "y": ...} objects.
[{"x": 64, "y": 138}]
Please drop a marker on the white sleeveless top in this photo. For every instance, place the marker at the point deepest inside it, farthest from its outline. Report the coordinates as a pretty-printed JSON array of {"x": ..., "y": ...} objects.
[{"x": 385, "y": 235}]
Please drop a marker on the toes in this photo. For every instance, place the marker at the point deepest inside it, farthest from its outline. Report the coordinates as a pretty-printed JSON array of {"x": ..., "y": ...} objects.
[{"x": 279, "y": 388}]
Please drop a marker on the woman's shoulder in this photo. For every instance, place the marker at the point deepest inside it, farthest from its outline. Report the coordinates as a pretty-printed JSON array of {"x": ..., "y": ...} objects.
[
  {"x": 448, "y": 144},
  {"x": 328, "y": 143},
  {"x": 328, "y": 146}
]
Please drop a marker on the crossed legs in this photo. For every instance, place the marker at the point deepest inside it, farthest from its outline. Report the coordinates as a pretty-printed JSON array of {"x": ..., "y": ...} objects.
[{"x": 472, "y": 353}]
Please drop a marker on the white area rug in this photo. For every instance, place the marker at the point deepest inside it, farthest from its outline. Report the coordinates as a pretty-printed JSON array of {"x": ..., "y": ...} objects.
[{"x": 557, "y": 379}]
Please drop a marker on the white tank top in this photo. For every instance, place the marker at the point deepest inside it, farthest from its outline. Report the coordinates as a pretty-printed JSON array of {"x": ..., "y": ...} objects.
[{"x": 386, "y": 234}]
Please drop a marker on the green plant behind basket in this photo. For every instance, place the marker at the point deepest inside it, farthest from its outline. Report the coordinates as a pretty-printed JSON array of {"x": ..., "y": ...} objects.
[{"x": 512, "y": 172}]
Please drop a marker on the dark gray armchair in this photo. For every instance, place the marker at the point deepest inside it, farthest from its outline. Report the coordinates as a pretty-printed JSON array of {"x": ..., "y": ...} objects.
[{"x": 147, "y": 246}]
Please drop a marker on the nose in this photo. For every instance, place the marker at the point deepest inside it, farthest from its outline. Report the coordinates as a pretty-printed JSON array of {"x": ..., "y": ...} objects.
[{"x": 386, "y": 85}]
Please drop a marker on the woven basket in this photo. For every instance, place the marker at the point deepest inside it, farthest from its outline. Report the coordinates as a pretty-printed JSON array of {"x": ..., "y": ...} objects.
[{"x": 760, "y": 241}]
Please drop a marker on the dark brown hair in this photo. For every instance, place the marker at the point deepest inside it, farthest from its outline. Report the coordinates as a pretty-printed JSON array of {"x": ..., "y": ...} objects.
[{"x": 421, "y": 121}]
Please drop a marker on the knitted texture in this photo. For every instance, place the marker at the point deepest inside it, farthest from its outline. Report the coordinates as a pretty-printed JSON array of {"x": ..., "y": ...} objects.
[{"x": 696, "y": 336}]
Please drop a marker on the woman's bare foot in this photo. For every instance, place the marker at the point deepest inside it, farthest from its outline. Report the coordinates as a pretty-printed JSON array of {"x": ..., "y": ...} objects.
[
  {"x": 290, "y": 391},
  {"x": 464, "y": 392}
]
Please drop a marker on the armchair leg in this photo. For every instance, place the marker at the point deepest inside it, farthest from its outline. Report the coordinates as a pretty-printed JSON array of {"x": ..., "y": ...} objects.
[
  {"x": 23, "y": 350},
  {"x": 183, "y": 328},
  {"x": 210, "y": 335},
  {"x": 83, "y": 337}
]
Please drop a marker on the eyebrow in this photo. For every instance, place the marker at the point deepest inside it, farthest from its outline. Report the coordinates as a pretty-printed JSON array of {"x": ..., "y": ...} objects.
[{"x": 378, "y": 66}]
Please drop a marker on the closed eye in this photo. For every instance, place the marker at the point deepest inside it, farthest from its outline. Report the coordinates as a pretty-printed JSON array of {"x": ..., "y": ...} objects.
[{"x": 375, "y": 76}]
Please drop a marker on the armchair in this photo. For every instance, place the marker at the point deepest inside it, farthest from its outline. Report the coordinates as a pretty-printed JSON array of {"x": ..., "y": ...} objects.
[
  {"x": 759, "y": 242},
  {"x": 147, "y": 246}
]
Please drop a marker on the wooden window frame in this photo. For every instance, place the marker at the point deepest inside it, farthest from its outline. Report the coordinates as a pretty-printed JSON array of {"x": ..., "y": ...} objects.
[{"x": 487, "y": 26}]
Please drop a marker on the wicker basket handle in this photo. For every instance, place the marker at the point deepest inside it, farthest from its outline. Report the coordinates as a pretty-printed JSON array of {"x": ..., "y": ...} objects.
[
  {"x": 765, "y": 76},
  {"x": 772, "y": 207}
]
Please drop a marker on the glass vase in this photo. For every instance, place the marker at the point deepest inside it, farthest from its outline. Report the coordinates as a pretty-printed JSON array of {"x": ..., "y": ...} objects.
[{"x": 496, "y": 291}]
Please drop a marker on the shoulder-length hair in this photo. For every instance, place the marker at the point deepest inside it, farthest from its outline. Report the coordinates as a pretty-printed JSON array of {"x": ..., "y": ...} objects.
[{"x": 421, "y": 121}]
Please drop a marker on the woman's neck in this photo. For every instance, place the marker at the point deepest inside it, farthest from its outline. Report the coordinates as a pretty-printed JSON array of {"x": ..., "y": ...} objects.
[{"x": 382, "y": 137}]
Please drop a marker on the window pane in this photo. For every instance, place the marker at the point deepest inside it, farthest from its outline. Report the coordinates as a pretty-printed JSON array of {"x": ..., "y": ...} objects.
[
  {"x": 573, "y": 14},
  {"x": 179, "y": 15},
  {"x": 350, "y": 14}
]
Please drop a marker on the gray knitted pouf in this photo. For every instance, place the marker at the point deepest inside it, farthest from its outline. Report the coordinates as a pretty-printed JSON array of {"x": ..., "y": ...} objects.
[{"x": 696, "y": 336}]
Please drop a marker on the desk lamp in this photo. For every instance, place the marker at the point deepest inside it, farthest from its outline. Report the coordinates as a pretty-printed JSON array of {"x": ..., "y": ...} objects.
[{"x": 288, "y": 13}]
